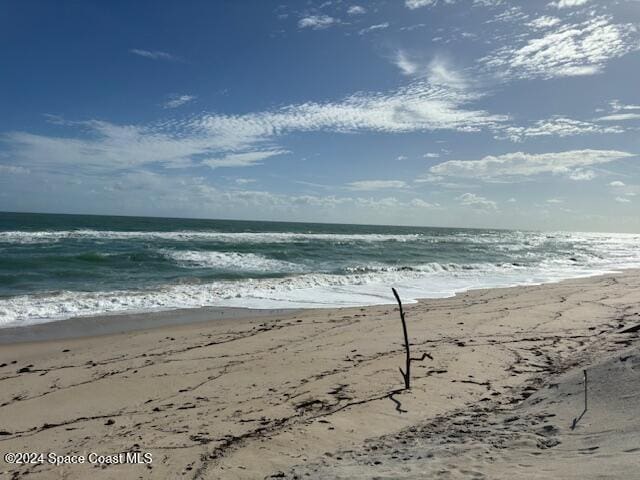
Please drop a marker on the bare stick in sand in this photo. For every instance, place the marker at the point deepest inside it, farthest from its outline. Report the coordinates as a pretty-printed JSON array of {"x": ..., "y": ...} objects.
[
  {"x": 576, "y": 420},
  {"x": 406, "y": 375}
]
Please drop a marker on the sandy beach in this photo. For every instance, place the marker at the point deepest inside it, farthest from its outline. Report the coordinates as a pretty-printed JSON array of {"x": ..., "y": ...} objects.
[{"x": 310, "y": 393}]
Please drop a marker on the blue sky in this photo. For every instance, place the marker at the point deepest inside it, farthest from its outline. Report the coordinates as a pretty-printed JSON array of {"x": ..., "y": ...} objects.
[{"x": 473, "y": 113}]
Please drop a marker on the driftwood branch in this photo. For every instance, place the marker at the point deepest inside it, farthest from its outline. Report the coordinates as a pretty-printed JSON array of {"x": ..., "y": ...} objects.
[
  {"x": 576, "y": 420},
  {"x": 399, "y": 408},
  {"x": 406, "y": 373},
  {"x": 424, "y": 355}
]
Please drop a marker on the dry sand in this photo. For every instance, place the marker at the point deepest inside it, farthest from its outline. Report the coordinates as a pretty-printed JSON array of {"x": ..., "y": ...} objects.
[{"x": 308, "y": 394}]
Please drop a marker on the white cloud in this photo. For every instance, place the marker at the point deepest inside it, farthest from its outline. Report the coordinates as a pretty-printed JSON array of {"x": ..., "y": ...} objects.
[
  {"x": 413, "y": 4},
  {"x": 622, "y": 200},
  {"x": 616, "y": 183},
  {"x": 428, "y": 178},
  {"x": 543, "y": 22},
  {"x": 620, "y": 117},
  {"x": 512, "y": 200},
  {"x": 419, "y": 203},
  {"x": 555, "y": 126},
  {"x": 406, "y": 66},
  {"x": 513, "y": 14},
  {"x": 373, "y": 28},
  {"x": 317, "y": 22},
  {"x": 417, "y": 107},
  {"x": 512, "y": 165},
  {"x": 617, "y": 105},
  {"x": 154, "y": 54},
  {"x": 582, "y": 175},
  {"x": 244, "y": 159},
  {"x": 356, "y": 10},
  {"x": 376, "y": 184},
  {"x": 244, "y": 181},
  {"x": 568, "y": 3},
  {"x": 176, "y": 101},
  {"x": 568, "y": 50},
  {"x": 555, "y": 201},
  {"x": 621, "y": 112},
  {"x": 477, "y": 201},
  {"x": 401, "y": 157},
  {"x": 431, "y": 155},
  {"x": 440, "y": 72},
  {"x": 437, "y": 72}
]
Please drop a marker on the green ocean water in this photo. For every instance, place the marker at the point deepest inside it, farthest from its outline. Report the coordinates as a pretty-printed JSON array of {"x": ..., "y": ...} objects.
[{"x": 59, "y": 266}]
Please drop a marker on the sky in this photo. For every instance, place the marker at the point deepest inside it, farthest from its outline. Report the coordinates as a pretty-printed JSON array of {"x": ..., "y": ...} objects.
[{"x": 454, "y": 113}]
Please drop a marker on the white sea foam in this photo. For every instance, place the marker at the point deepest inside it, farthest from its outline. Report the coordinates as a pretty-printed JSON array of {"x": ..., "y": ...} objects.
[
  {"x": 26, "y": 237},
  {"x": 233, "y": 261},
  {"x": 301, "y": 291}
]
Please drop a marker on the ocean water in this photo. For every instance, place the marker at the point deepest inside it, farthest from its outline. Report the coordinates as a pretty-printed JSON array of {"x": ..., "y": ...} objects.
[{"x": 54, "y": 267}]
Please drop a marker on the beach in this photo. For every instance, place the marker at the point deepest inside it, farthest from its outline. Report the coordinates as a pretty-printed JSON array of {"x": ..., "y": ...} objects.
[{"x": 317, "y": 393}]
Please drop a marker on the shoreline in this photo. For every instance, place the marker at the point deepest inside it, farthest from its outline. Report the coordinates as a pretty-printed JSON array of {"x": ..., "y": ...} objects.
[
  {"x": 310, "y": 389},
  {"x": 120, "y": 323},
  {"x": 124, "y": 322}
]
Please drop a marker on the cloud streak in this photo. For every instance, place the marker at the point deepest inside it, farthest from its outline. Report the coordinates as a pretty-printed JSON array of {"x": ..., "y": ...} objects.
[
  {"x": 176, "y": 101},
  {"x": 555, "y": 126},
  {"x": 376, "y": 184},
  {"x": 154, "y": 54},
  {"x": 512, "y": 166}
]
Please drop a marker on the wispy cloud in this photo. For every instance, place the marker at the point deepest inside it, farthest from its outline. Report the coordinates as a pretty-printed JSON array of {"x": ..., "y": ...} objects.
[
  {"x": 568, "y": 50},
  {"x": 376, "y": 184},
  {"x": 555, "y": 126},
  {"x": 176, "y": 101},
  {"x": 413, "y": 4},
  {"x": 617, "y": 105},
  {"x": 154, "y": 54},
  {"x": 317, "y": 22},
  {"x": 568, "y": 3},
  {"x": 620, "y": 117},
  {"x": 356, "y": 10},
  {"x": 621, "y": 112},
  {"x": 217, "y": 140},
  {"x": 245, "y": 159},
  {"x": 440, "y": 72},
  {"x": 373, "y": 28},
  {"x": 511, "y": 166},
  {"x": 543, "y": 22},
  {"x": 477, "y": 201},
  {"x": 244, "y": 181},
  {"x": 581, "y": 175},
  {"x": 416, "y": 107},
  {"x": 406, "y": 66}
]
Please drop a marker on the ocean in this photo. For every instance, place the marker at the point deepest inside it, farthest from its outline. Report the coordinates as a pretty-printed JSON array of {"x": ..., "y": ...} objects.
[{"x": 54, "y": 267}]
